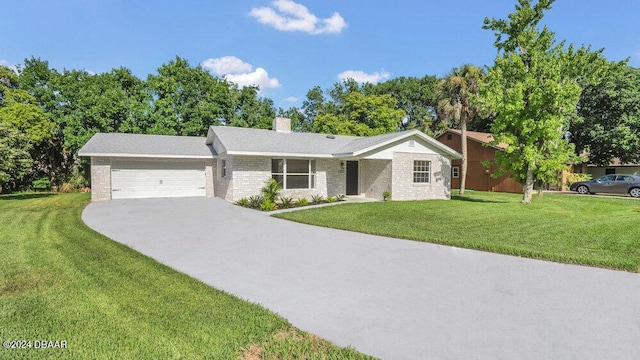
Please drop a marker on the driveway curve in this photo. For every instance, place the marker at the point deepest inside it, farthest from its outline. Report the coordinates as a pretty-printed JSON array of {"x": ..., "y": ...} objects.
[{"x": 389, "y": 298}]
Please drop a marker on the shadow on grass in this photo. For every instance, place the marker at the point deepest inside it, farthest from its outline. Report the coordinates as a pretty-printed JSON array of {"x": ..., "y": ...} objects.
[
  {"x": 25, "y": 196},
  {"x": 469, "y": 199}
]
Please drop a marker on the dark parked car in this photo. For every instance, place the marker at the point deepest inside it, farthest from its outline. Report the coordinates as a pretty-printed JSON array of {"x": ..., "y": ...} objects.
[{"x": 615, "y": 183}]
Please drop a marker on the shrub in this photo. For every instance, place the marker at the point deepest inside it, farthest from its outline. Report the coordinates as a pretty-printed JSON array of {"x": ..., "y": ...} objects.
[
  {"x": 66, "y": 187},
  {"x": 41, "y": 183},
  {"x": 302, "y": 202},
  {"x": 255, "y": 201},
  {"x": 386, "y": 195},
  {"x": 575, "y": 177},
  {"x": 77, "y": 179},
  {"x": 331, "y": 199},
  {"x": 271, "y": 190},
  {"x": 340, "y": 197},
  {"x": 243, "y": 202},
  {"x": 268, "y": 205},
  {"x": 316, "y": 199},
  {"x": 285, "y": 202}
]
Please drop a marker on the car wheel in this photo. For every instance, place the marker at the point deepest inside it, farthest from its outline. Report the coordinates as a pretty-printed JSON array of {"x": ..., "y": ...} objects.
[
  {"x": 582, "y": 190},
  {"x": 635, "y": 192}
]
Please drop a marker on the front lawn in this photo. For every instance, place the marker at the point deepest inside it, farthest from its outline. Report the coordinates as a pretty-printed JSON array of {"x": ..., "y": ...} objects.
[
  {"x": 61, "y": 281},
  {"x": 596, "y": 231}
]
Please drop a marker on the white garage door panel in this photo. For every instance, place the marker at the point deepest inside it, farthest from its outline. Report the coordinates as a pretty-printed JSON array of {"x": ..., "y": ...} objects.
[{"x": 147, "y": 179}]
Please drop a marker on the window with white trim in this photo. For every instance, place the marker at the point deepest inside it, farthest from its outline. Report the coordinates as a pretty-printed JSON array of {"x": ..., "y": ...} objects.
[
  {"x": 223, "y": 168},
  {"x": 294, "y": 173},
  {"x": 455, "y": 172},
  {"x": 421, "y": 171}
]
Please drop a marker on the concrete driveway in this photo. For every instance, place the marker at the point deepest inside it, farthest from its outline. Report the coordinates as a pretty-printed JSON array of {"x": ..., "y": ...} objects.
[{"x": 390, "y": 298}]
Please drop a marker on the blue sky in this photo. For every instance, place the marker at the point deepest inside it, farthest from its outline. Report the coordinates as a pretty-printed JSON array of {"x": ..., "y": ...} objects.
[{"x": 289, "y": 46}]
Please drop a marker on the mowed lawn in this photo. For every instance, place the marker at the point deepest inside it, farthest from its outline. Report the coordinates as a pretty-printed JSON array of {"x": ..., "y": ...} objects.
[
  {"x": 61, "y": 281},
  {"x": 588, "y": 230}
]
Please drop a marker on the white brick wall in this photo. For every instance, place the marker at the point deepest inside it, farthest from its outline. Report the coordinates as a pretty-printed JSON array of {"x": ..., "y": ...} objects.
[
  {"x": 403, "y": 187},
  {"x": 375, "y": 177},
  {"x": 100, "y": 178},
  {"x": 248, "y": 175}
]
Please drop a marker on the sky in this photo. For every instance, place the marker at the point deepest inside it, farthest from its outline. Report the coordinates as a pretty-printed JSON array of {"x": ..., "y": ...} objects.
[{"x": 289, "y": 46}]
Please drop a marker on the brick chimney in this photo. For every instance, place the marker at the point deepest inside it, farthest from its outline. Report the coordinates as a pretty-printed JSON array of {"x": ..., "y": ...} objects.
[{"x": 282, "y": 125}]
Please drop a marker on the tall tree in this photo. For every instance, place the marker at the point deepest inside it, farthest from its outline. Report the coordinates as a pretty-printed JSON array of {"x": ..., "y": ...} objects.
[
  {"x": 15, "y": 160},
  {"x": 454, "y": 94},
  {"x": 416, "y": 97},
  {"x": 188, "y": 99},
  {"x": 533, "y": 95},
  {"x": 608, "y": 121}
]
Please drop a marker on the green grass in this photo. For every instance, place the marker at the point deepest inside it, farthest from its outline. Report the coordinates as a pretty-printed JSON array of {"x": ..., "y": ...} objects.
[
  {"x": 60, "y": 280},
  {"x": 595, "y": 231}
]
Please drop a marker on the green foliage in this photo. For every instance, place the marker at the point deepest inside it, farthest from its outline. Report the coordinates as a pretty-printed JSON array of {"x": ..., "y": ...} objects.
[
  {"x": 532, "y": 92},
  {"x": 316, "y": 199},
  {"x": 41, "y": 183},
  {"x": 302, "y": 202},
  {"x": 285, "y": 202},
  {"x": 340, "y": 197},
  {"x": 19, "y": 110},
  {"x": 608, "y": 121},
  {"x": 255, "y": 201},
  {"x": 66, "y": 187},
  {"x": 575, "y": 177},
  {"x": 268, "y": 205},
  {"x": 386, "y": 195},
  {"x": 331, "y": 199},
  {"x": 243, "y": 202},
  {"x": 15, "y": 160},
  {"x": 271, "y": 190}
]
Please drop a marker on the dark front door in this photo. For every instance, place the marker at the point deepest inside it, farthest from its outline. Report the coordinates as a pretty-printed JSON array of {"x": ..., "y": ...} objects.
[{"x": 352, "y": 178}]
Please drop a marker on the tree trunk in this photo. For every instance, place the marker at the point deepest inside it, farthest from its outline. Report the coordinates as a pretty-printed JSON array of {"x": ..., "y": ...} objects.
[
  {"x": 463, "y": 163},
  {"x": 528, "y": 187}
]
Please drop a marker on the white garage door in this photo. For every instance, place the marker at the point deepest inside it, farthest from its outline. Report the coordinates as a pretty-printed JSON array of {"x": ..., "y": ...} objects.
[{"x": 149, "y": 179}]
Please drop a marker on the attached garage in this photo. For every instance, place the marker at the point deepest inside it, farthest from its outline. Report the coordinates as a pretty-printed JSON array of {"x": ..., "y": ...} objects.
[
  {"x": 150, "y": 179},
  {"x": 128, "y": 166}
]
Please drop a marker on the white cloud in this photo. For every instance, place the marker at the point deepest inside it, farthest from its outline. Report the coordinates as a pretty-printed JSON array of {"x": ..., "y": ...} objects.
[
  {"x": 259, "y": 77},
  {"x": 240, "y": 72},
  {"x": 291, "y": 16},
  {"x": 362, "y": 77},
  {"x": 291, "y": 99},
  {"x": 227, "y": 65}
]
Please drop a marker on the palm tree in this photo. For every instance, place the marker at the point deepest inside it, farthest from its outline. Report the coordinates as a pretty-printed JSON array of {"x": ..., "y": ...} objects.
[{"x": 454, "y": 104}]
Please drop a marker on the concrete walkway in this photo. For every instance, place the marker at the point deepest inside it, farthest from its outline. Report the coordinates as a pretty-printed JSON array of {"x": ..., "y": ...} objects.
[{"x": 390, "y": 298}]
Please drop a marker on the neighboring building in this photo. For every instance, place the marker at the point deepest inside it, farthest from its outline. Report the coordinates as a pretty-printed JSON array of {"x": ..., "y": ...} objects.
[
  {"x": 615, "y": 167},
  {"x": 233, "y": 163},
  {"x": 479, "y": 151}
]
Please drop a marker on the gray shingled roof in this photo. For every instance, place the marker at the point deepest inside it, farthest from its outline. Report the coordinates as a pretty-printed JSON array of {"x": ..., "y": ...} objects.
[
  {"x": 237, "y": 139},
  {"x": 129, "y": 145},
  {"x": 245, "y": 140}
]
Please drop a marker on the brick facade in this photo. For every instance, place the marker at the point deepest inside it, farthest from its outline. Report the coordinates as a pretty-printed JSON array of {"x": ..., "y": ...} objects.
[
  {"x": 375, "y": 178},
  {"x": 403, "y": 187},
  {"x": 100, "y": 178}
]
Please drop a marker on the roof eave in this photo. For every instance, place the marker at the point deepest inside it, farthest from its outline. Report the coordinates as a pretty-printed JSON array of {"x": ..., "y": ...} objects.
[
  {"x": 128, "y": 155},
  {"x": 278, "y": 154}
]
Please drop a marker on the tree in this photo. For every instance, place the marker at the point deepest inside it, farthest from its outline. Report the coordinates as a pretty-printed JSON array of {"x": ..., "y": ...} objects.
[
  {"x": 608, "y": 121},
  {"x": 454, "y": 102},
  {"x": 533, "y": 96},
  {"x": 15, "y": 160},
  {"x": 109, "y": 102},
  {"x": 416, "y": 97},
  {"x": 187, "y": 100},
  {"x": 250, "y": 110},
  {"x": 361, "y": 115}
]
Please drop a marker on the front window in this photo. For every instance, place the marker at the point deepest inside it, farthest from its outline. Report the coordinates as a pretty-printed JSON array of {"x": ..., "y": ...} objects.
[
  {"x": 294, "y": 173},
  {"x": 421, "y": 171},
  {"x": 223, "y": 168}
]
